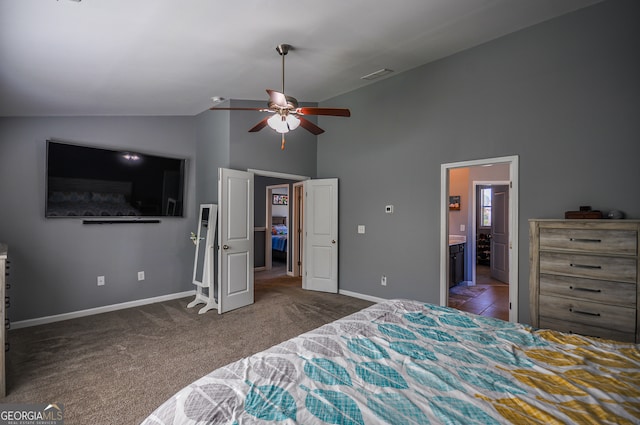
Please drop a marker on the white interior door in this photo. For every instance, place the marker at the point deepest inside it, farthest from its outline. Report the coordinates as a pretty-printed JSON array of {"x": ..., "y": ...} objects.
[
  {"x": 500, "y": 233},
  {"x": 320, "y": 228},
  {"x": 235, "y": 239}
]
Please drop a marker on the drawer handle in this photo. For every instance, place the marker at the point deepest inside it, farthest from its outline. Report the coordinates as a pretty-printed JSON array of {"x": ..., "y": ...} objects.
[
  {"x": 585, "y": 289},
  {"x": 585, "y": 240},
  {"x": 584, "y": 312},
  {"x": 584, "y": 266}
]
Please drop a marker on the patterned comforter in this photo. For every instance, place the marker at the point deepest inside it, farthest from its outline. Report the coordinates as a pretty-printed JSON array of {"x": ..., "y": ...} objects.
[{"x": 406, "y": 362}]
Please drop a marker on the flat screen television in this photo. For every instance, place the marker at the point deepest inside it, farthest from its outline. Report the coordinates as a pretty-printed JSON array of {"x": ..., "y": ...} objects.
[{"x": 86, "y": 182}]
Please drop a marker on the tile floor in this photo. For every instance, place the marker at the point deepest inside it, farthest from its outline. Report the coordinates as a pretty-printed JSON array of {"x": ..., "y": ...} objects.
[{"x": 494, "y": 302}]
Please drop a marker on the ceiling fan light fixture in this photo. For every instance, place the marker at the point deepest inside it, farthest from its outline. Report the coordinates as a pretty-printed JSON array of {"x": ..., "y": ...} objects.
[
  {"x": 278, "y": 123},
  {"x": 292, "y": 122}
]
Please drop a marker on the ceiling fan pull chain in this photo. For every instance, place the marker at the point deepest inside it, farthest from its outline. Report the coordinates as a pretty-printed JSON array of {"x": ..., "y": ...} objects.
[{"x": 282, "y": 145}]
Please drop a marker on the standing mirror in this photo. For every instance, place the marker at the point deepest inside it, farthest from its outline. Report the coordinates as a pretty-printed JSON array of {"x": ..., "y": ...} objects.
[{"x": 203, "y": 262}]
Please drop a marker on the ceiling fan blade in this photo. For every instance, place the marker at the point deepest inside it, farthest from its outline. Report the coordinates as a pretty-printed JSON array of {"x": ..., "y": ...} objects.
[
  {"x": 309, "y": 126},
  {"x": 262, "y": 124},
  {"x": 277, "y": 98},
  {"x": 239, "y": 109},
  {"x": 335, "y": 112}
]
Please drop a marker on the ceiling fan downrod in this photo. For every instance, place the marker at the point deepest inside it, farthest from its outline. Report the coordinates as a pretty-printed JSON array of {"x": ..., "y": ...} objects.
[{"x": 282, "y": 50}]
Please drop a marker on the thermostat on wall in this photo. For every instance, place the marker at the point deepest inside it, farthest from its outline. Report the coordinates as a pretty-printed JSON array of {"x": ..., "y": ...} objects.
[{"x": 388, "y": 209}]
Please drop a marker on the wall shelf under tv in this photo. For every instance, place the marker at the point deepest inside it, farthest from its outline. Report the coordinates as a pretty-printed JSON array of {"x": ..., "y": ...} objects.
[{"x": 116, "y": 221}]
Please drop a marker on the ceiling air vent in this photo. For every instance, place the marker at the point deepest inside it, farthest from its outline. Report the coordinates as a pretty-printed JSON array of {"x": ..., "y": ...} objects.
[{"x": 377, "y": 74}]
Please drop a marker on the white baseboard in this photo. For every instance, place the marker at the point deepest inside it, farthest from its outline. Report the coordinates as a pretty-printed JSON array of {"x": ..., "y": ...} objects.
[
  {"x": 361, "y": 296},
  {"x": 105, "y": 309},
  {"x": 114, "y": 307}
]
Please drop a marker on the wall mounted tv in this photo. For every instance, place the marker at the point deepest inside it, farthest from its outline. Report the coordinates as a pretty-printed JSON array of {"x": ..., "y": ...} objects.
[{"x": 85, "y": 182}]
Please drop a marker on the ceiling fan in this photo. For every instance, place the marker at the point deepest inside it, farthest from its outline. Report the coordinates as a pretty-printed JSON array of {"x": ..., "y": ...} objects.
[{"x": 286, "y": 115}]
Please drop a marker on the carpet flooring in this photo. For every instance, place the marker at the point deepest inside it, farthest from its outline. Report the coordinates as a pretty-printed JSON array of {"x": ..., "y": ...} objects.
[{"x": 117, "y": 367}]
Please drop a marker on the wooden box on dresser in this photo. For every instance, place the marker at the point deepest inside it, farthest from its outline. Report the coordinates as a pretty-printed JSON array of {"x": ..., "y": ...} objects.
[{"x": 584, "y": 277}]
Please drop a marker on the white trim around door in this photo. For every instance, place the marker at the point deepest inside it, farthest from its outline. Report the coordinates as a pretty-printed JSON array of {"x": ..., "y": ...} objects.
[{"x": 513, "y": 227}]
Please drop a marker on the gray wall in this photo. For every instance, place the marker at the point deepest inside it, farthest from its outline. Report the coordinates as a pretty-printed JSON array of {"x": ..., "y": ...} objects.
[
  {"x": 55, "y": 262},
  {"x": 562, "y": 95},
  {"x": 212, "y": 152}
]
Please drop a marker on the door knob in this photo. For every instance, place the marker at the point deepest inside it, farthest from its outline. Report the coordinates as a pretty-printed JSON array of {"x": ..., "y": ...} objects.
[
  {"x": 225, "y": 246},
  {"x": 333, "y": 241}
]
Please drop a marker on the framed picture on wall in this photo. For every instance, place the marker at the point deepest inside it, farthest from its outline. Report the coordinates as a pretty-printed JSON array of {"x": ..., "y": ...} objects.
[
  {"x": 278, "y": 199},
  {"x": 454, "y": 203}
]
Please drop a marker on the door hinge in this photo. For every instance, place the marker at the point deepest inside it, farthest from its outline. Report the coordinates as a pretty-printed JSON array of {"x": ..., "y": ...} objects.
[
  {"x": 299, "y": 263},
  {"x": 509, "y": 305},
  {"x": 510, "y": 185}
]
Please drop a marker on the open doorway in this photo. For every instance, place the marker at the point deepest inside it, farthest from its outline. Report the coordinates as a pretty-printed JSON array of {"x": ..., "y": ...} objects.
[
  {"x": 277, "y": 220},
  {"x": 479, "y": 236}
]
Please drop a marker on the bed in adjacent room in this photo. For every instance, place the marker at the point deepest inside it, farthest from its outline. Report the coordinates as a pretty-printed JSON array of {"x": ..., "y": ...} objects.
[
  {"x": 407, "y": 362},
  {"x": 279, "y": 235}
]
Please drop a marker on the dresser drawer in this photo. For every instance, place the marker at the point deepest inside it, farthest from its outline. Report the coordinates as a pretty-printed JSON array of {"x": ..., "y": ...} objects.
[
  {"x": 623, "y": 242},
  {"x": 619, "y": 269},
  {"x": 578, "y": 328},
  {"x": 588, "y": 313},
  {"x": 601, "y": 291}
]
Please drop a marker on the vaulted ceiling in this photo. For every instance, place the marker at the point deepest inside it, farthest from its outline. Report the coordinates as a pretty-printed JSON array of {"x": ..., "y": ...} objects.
[{"x": 170, "y": 57}]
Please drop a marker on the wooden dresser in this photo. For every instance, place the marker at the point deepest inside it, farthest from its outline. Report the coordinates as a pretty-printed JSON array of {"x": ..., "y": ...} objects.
[{"x": 584, "y": 277}]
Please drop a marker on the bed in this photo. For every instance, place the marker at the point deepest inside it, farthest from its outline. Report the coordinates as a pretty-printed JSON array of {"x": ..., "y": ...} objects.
[
  {"x": 407, "y": 362},
  {"x": 69, "y": 197},
  {"x": 279, "y": 235}
]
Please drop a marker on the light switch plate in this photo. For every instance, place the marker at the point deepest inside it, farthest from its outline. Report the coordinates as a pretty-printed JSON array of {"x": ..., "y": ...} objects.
[
  {"x": 361, "y": 228},
  {"x": 388, "y": 209}
]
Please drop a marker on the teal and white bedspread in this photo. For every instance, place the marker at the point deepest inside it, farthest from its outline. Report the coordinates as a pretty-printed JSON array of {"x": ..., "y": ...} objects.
[{"x": 406, "y": 362}]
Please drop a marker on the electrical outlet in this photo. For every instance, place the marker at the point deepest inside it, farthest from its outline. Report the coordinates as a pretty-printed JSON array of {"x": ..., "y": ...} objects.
[
  {"x": 100, "y": 280},
  {"x": 140, "y": 275},
  {"x": 383, "y": 280}
]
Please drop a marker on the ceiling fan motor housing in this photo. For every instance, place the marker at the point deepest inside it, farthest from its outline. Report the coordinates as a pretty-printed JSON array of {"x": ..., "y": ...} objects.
[{"x": 283, "y": 49}]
